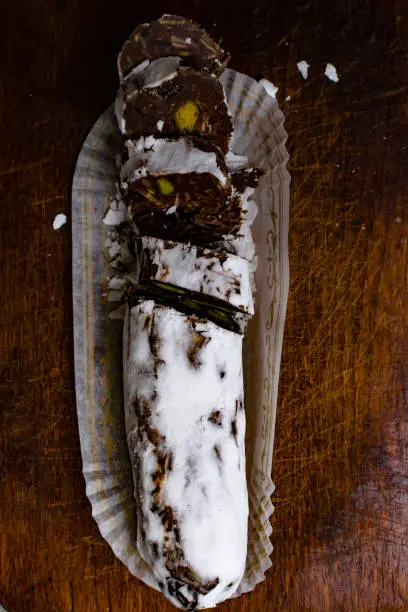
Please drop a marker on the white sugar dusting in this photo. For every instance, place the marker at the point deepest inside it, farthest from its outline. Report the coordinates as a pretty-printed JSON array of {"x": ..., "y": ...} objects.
[
  {"x": 236, "y": 162},
  {"x": 171, "y": 210},
  {"x": 159, "y": 156},
  {"x": 153, "y": 73},
  {"x": 160, "y": 125},
  {"x": 116, "y": 214},
  {"x": 222, "y": 276},
  {"x": 59, "y": 221},
  {"x": 159, "y": 71},
  {"x": 188, "y": 40},
  {"x": 206, "y": 486},
  {"x": 331, "y": 73},
  {"x": 271, "y": 89},
  {"x": 136, "y": 70},
  {"x": 303, "y": 68}
]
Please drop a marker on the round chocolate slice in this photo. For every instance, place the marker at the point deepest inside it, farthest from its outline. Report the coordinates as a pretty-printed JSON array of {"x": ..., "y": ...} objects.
[
  {"x": 171, "y": 35},
  {"x": 184, "y": 103},
  {"x": 199, "y": 221},
  {"x": 176, "y": 191}
]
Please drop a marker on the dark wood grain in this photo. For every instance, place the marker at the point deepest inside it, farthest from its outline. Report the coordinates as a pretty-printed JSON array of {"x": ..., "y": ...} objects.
[{"x": 341, "y": 454}]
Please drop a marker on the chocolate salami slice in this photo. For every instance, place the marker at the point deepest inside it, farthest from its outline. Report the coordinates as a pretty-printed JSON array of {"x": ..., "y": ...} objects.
[
  {"x": 171, "y": 35},
  {"x": 176, "y": 191},
  {"x": 167, "y": 101}
]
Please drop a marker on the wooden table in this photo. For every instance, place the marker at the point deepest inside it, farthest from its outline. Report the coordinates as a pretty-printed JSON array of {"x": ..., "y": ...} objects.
[{"x": 341, "y": 456}]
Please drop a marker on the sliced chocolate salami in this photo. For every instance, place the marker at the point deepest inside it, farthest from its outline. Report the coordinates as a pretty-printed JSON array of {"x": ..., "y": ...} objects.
[{"x": 188, "y": 307}]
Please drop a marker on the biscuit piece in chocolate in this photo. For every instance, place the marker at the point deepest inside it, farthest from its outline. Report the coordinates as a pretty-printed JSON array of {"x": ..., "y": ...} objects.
[
  {"x": 171, "y": 35},
  {"x": 184, "y": 103}
]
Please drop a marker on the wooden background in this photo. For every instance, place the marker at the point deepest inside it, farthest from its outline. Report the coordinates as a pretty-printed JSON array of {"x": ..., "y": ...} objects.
[{"x": 341, "y": 455}]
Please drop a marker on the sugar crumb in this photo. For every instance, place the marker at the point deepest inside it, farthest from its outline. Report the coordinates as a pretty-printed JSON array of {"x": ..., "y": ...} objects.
[
  {"x": 303, "y": 68},
  {"x": 271, "y": 89},
  {"x": 331, "y": 73},
  {"x": 59, "y": 221}
]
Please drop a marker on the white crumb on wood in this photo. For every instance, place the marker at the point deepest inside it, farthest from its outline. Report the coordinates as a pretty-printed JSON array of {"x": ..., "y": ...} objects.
[
  {"x": 271, "y": 89},
  {"x": 303, "y": 68},
  {"x": 59, "y": 221},
  {"x": 331, "y": 73}
]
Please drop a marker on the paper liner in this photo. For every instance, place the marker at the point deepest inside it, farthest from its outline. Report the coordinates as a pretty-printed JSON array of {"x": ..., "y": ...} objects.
[{"x": 260, "y": 135}]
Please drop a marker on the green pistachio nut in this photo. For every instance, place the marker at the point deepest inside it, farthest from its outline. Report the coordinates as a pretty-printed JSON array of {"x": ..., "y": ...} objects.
[
  {"x": 165, "y": 187},
  {"x": 186, "y": 116}
]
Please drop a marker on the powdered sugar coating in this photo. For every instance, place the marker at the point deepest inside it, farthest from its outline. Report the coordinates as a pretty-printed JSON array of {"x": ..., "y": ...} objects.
[
  {"x": 159, "y": 71},
  {"x": 220, "y": 275},
  {"x": 160, "y": 156},
  {"x": 236, "y": 162},
  {"x": 196, "y": 422}
]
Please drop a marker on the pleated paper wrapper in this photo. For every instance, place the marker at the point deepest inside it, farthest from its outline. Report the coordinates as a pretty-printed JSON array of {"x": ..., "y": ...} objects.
[{"x": 259, "y": 134}]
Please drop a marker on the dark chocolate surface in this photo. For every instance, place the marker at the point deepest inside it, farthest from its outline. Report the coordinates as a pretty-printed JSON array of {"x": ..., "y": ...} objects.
[
  {"x": 167, "y": 36},
  {"x": 198, "y": 221}
]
